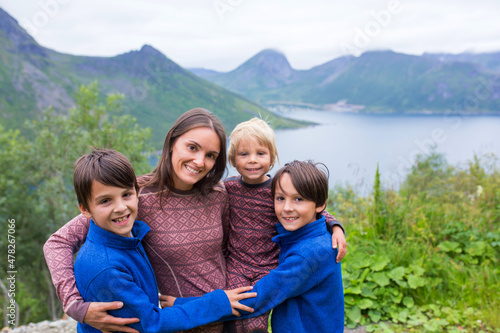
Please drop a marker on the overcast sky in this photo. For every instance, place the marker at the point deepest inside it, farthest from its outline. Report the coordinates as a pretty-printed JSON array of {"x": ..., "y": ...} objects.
[{"x": 222, "y": 34}]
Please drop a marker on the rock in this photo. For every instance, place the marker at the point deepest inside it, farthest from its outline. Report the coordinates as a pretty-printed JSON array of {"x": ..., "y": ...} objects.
[
  {"x": 359, "y": 329},
  {"x": 58, "y": 326},
  {"x": 69, "y": 326}
]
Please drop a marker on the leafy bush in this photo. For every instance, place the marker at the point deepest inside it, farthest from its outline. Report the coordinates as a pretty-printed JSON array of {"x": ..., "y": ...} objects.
[{"x": 425, "y": 257}]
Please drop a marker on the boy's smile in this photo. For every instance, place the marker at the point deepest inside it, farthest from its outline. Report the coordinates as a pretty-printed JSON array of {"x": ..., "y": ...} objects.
[
  {"x": 112, "y": 208},
  {"x": 293, "y": 211},
  {"x": 253, "y": 161}
]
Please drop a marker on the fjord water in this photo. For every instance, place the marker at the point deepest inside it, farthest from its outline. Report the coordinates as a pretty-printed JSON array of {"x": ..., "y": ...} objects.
[{"x": 351, "y": 144}]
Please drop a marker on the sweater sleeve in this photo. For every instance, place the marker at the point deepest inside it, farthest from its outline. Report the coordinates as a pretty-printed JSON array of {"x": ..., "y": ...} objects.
[
  {"x": 331, "y": 221},
  {"x": 183, "y": 300},
  {"x": 58, "y": 251},
  {"x": 294, "y": 277},
  {"x": 115, "y": 283}
]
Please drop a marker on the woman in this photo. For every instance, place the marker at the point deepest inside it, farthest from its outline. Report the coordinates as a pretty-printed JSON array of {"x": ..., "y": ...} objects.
[{"x": 186, "y": 207}]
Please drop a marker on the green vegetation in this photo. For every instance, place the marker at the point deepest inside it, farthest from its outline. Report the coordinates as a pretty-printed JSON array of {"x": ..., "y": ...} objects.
[
  {"x": 424, "y": 258},
  {"x": 36, "y": 187}
]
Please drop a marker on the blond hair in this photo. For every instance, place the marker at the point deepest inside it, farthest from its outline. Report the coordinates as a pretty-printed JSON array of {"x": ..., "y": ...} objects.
[{"x": 257, "y": 129}]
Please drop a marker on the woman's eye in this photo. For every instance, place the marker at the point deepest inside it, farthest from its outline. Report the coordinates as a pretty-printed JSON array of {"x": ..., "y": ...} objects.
[
  {"x": 278, "y": 198},
  {"x": 212, "y": 156},
  {"x": 191, "y": 147}
]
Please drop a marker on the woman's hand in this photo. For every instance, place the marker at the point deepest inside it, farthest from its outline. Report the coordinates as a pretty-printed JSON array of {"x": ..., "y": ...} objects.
[
  {"x": 338, "y": 239},
  {"x": 97, "y": 317},
  {"x": 236, "y": 295},
  {"x": 167, "y": 301}
]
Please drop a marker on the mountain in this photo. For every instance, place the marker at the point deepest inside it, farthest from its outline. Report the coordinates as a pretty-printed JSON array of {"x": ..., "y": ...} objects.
[
  {"x": 488, "y": 62},
  {"x": 377, "y": 81},
  {"x": 269, "y": 69},
  {"x": 156, "y": 89}
]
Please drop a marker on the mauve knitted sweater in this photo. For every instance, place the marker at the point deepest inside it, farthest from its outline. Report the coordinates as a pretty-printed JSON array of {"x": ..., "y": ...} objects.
[{"x": 185, "y": 246}]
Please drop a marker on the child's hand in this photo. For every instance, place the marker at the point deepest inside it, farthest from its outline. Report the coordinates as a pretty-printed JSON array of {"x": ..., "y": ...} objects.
[
  {"x": 238, "y": 294},
  {"x": 167, "y": 301},
  {"x": 338, "y": 239}
]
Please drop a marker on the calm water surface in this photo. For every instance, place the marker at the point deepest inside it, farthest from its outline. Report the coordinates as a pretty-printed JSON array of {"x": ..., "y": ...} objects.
[{"x": 351, "y": 145}]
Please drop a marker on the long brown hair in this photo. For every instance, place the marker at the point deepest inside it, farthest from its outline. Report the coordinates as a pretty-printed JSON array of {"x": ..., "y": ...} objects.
[{"x": 162, "y": 174}]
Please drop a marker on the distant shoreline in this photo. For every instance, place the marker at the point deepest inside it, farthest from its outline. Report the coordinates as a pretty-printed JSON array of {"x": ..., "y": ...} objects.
[{"x": 342, "y": 107}]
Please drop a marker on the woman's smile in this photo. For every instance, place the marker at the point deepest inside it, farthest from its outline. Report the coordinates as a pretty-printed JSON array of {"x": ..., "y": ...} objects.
[{"x": 193, "y": 155}]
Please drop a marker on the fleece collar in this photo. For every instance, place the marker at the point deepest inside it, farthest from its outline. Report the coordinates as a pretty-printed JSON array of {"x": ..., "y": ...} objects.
[
  {"x": 310, "y": 230},
  {"x": 107, "y": 238}
]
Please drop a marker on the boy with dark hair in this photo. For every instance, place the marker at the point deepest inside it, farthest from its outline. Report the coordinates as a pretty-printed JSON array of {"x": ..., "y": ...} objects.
[{"x": 112, "y": 264}]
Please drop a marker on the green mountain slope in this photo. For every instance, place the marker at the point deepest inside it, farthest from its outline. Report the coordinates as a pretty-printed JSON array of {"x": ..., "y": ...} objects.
[
  {"x": 156, "y": 89},
  {"x": 264, "y": 72},
  {"x": 398, "y": 83},
  {"x": 382, "y": 81}
]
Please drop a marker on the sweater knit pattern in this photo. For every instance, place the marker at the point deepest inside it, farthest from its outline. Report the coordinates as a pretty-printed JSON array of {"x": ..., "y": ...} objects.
[
  {"x": 252, "y": 253},
  {"x": 251, "y": 249},
  {"x": 186, "y": 237}
]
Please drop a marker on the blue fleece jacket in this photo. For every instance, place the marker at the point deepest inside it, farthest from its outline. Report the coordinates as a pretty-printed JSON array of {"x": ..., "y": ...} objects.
[
  {"x": 306, "y": 289},
  {"x": 110, "y": 267}
]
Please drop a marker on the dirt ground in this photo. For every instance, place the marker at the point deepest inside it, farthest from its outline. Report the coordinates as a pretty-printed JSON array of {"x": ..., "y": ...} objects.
[{"x": 69, "y": 326}]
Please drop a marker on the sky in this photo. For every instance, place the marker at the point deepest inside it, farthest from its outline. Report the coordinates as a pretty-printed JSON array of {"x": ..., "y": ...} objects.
[{"x": 222, "y": 34}]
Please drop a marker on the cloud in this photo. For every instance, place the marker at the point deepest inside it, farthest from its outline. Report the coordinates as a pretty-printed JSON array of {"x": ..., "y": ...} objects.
[{"x": 198, "y": 34}]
